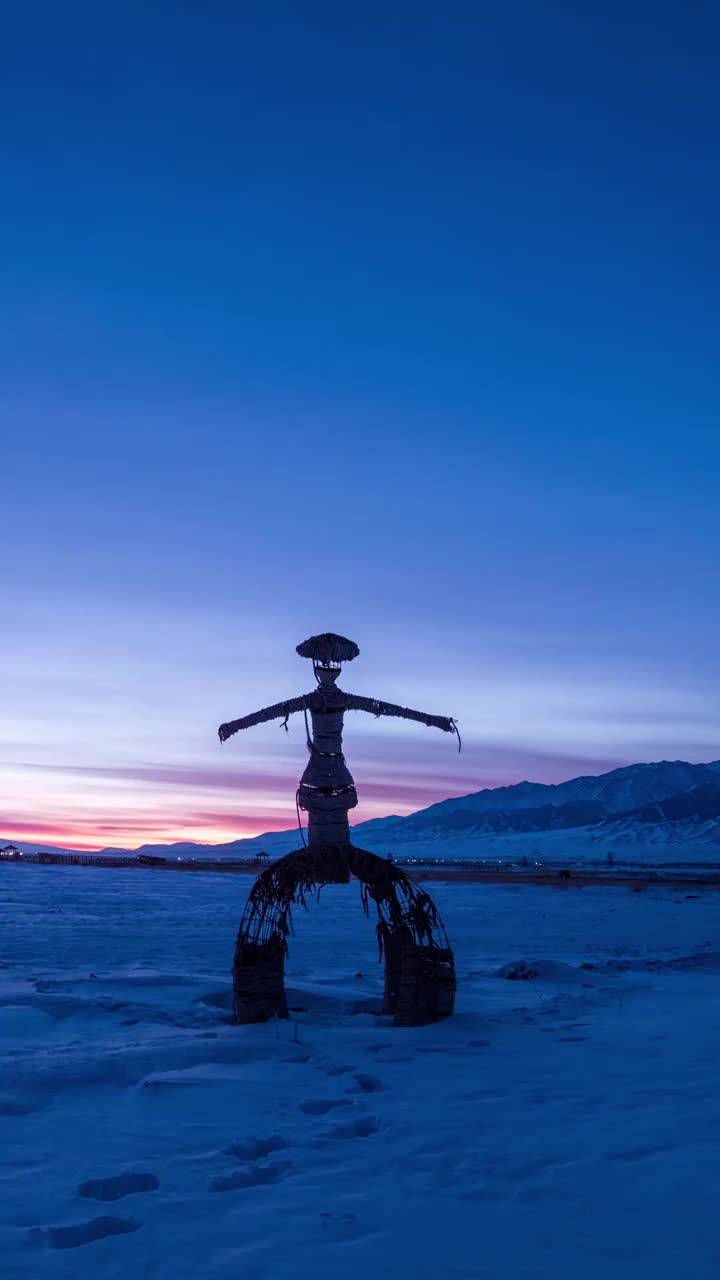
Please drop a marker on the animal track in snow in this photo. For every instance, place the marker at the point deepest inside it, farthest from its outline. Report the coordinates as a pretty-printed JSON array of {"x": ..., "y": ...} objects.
[
  {"x": 81, "y": 1233},
  {"x": 323, "y": 1105},
  {"x": 255, "y": 1176},
  {"x": 639, "y": 1153},
  {"x": 343, "y": 1228},
  {"x": 366, "y": 1084},
  {"x": 481, "y": 1095},
  {"x": 363, "y": 1127},
  {"x": 256, "y": 1148},
  {"x": 123, "y": 1184},
  {"x": 397, "y": 1057}
]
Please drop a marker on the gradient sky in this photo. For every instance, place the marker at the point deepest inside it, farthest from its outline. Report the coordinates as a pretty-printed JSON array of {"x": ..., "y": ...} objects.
[{"x": 399, "y": 320}]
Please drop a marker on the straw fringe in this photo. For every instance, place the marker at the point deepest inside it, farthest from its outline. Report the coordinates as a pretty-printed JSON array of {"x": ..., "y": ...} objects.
[{"x": 419, "y": 967}]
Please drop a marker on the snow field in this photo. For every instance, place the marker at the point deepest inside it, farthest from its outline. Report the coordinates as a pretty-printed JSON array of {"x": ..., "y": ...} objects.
[{"x": 565, "y": 1122}]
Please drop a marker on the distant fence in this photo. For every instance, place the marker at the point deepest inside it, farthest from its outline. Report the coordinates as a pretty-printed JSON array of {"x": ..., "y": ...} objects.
[
  {"x": 144, "y": 860},
  {"x": 619, "y": 870}
]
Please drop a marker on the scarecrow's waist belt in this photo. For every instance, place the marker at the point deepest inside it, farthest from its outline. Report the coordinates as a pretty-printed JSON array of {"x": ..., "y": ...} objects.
[{"x": 326, "y": 791}]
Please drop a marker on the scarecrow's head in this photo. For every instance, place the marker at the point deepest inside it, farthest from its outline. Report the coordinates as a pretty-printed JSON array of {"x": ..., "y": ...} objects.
[{"x": 328, "y": 651}]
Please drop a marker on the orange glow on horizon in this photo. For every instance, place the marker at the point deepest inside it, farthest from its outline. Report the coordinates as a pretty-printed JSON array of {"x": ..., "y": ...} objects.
[
  {"x": 87, "y": 841},
  {"x": 92, "y": 834}
]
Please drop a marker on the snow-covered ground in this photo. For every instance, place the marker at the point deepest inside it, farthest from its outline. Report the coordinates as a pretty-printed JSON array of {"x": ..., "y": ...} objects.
[
  {"x": 563, "y": 1126},
  {"x": 626, "y": 841}
]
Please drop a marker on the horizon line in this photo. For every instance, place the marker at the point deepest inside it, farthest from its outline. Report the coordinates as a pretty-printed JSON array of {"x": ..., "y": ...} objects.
[{"x": 27, "y": 832}]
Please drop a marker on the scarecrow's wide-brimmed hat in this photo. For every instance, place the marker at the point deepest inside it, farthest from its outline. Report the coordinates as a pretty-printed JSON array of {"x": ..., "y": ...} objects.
[{"x": 328, "y": 648}]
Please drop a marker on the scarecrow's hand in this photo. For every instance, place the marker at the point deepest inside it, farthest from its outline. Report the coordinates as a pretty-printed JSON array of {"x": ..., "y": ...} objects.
[
  {"x": 280, "y": 711},
  {"x": 443, "y": 722}
]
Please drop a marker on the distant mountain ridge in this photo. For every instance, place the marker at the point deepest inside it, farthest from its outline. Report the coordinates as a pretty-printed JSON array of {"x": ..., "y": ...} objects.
[
  {"x": 663, "y": 809},
  {"x": 632, "y": 790},
  {"x": 619, "y": 791}
]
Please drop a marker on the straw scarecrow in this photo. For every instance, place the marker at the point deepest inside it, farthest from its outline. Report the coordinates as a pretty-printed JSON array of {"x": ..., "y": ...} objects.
[{"x": 419, "y": 966}]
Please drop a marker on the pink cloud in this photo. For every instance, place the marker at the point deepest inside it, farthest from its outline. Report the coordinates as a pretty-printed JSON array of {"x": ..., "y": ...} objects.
[
  {"x": 128, "y": 832},
  {"x": 257, "y": 801}
]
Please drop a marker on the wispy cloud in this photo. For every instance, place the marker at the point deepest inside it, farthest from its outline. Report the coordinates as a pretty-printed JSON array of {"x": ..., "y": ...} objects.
[
  {"x": 160, "y": 775},
  {"x": 167, "y": 803},
  {"x": 79, "y": 833}
]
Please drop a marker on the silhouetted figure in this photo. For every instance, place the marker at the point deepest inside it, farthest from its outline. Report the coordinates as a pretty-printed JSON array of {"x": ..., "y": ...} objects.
[
  {"x": 419, "y": 968},
  {"x": 327, "y": 789}
]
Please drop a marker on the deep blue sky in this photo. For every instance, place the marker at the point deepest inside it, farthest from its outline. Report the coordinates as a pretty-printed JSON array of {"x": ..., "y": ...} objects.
[{"x": 399, "y": 320}]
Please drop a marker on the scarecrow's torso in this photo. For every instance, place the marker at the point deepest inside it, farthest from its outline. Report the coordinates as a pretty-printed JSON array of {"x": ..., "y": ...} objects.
[{"x": 326, "y": 769}]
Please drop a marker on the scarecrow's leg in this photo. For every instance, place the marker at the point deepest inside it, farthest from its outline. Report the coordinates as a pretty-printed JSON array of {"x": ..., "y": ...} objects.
[
  {"x": 419, "y": 967},
  {"x": 427, "y": 985},
  {"x": 259, "y": 960},
  {"x": 393, "y": 952},
  {"x": 259, "y": 980}
]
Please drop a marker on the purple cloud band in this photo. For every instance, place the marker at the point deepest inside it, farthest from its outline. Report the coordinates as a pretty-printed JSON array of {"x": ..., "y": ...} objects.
[{"x": 259, "y": 800}]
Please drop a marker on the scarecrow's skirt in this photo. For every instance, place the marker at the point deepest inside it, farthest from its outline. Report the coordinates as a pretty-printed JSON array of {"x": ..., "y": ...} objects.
[{"x": 419, "y": 969}]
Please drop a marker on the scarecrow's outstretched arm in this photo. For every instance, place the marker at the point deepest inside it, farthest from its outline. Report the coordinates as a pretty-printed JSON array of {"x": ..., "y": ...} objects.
[
  {"x": 280, "y": 711},
  {"x": 377, "y": 708}
]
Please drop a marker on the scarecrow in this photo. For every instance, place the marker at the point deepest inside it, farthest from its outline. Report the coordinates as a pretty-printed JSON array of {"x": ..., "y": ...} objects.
[{"x": 419, "y": 967}]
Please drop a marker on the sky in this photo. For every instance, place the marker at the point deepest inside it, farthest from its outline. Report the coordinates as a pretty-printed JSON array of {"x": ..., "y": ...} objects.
[{"x": 397, "y": 320}]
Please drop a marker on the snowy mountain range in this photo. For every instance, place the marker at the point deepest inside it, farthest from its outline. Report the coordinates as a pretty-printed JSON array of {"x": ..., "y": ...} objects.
[
  {"x": 651, "y": 812},
  {"x": 662, "y": 811}
]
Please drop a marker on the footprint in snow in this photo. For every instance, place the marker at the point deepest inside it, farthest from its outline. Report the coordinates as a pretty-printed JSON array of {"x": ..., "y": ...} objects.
[
  {"x": 639, "y": 1153},
  {"x": 123, "y": 1184},
  {"x": 80, "y": 1233},
  {"x": 343, "y": 1228},
  {"x": 255, "y": 1176},
  {"x": 323, "y": 1105},
  {"x": 256, "y": 1148},
  {"x": 363, "y": 1127},
  {"x": 366, "y": 1084}
]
